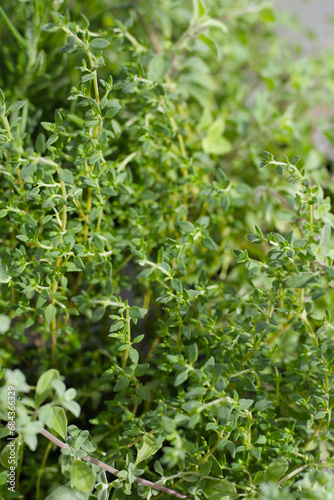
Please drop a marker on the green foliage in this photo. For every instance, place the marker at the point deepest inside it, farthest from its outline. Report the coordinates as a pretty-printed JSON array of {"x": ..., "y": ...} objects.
[{"x": 133, "y": 305}]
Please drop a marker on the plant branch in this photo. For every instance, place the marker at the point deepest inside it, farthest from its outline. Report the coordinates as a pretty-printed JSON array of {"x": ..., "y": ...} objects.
[{"x": 108, "y": 468}]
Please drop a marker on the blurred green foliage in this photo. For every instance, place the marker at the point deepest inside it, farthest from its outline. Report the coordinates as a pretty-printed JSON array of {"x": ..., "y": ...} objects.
[{"x": 131, "y": 139}]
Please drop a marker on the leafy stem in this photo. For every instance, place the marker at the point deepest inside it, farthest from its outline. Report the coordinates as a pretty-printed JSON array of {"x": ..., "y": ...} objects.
[{"x": 108, "y": 468}]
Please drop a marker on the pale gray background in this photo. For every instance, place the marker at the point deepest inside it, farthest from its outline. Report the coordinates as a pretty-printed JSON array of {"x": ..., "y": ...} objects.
[{"x": 314, "y": 15}]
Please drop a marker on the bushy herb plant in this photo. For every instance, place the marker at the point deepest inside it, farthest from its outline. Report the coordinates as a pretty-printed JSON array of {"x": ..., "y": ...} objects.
[{"x": 155, "y": 350}]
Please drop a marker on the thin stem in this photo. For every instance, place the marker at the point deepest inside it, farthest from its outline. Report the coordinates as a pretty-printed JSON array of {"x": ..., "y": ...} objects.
[
  {"x": 311, "y": 214},
  {"x": 315, "y": 432},
  {"x": 108, "y": 468},
  {"x": 55, "y": 283},
  {"x": 41, "y": 470},
  {"x": 293, "y": 473},
  {"x": 88, "y": 209},
  {"x": 64, "y": 213},
  {"x": 209, "y": 453},
  {"x": 128, "y": 333},
  {"x": 183, "y": 153},
  {"x": 6, "y": 124},
  {"x": 96, "y": 86},
  {"x": 310, "y": 329},
  {"x": 277, "y": 385}
]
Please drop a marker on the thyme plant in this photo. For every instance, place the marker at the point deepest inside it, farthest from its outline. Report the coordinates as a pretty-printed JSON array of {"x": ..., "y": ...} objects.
[{"x": 149, "y": 348}]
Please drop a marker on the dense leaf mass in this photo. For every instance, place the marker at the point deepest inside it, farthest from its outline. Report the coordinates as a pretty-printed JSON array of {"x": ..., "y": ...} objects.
[{"x": 131, "y": 143}]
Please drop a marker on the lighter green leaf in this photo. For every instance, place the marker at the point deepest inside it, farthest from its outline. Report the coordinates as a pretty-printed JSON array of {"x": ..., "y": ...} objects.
[
  {"x": 217, "y": 128},
  {"x": 66, "y": 175},
  {"x": 15, "y": 106},
  {"x": 299, "y": 281},
  {"x": 199, "y": 9},
  {"x": 99, "y": 43},
  {"x": 137, "y": 312},
  {"x": 50, "y": 313},
  {"x": 216, "y": 145},
  {"x": 82, "y": 476},
  {"x": 59, "y": 421},
  {"x": 217, "y": 489},
  {"x": 147, "y": 447},
  {"x": 66, "y": 493},
  {"x": 9, "y": 454},
  {"x": 158, "y": 68},
  {"x": 44, "y": 385},
  {"x": 276, "y": 469},
  {"x": 4, "y": 323},
  {"x": 186, "y": 226}
]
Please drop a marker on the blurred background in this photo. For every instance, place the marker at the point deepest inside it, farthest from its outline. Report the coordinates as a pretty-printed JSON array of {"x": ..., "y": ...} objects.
[{"x": 315, "y": 16}]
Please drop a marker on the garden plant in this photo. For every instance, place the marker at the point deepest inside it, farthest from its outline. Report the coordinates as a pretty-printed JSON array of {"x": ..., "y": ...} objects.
[{"x": 166, "y": 253}]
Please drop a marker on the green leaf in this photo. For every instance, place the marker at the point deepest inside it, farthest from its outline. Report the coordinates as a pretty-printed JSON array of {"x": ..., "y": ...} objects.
[
  {"x": 127, "y": 89},
  {"x": 45, "y": 415},
  {"x": 51, "y": 140},
  {"x": 9, "y": 454},
  {"x": 217, "y": 489},
  {"x": 147, "y": 447},
  {"x": 279, "y": 169},
  {"x": 58, "y": 118},
  {"x": 295, "y": 159},
  {"x": 44, "y": 385},
  {"x": 73, "y": 407},
  {"x": 186, "y": 226},
  {"x": 15, "y": 106},
  {"x": 99, "y": 43},
  {"x": 158, "y": 68},
  {"x": 329, "y": 271},
  {"x": 40, "y": 143},
  {"x": 181, "y": 377},
  {"x": 215, "y": 23},
  {"x": 3, "y": 477},
  {"x": 82, "y": 476},
  {"x": 193, "y": 353},
  {"x": 263, "y": 404},
  {"x": 50, "y": 27},
  {"x": 59, "y": 421},
  {"x": 29, "y": 434},
  {"x": 319, "y": 415},
  {"x": 4, "y": 275},
  {"x": 88, "y": 77},
  {"x": 176, "y": 285},
  {"x": 113, "y": 106},
  {"x": 261, "y": 326},
  {"x": 216, "y": 145},
  {"x": 299, "y": 281},
  {"x": 217, "y": 128},
  {"x": 211, "y": 43},
  {"x": 50, "y": 313},
  {"x": 28, "y": 171},
  {"x": 134, "y": 355},
  {"x": 137, "y": 312},
  {"x": 47, "y": 126},
  {"x": 66, "y": 493},
  {"x": 276, "y": 469},
  {"x": 66, "y": 175},
  {"x": 98, "y": 314},
  {"x": 199, "y": 9},
  {"x": 121, "y": 384},
  {"x": 4, "y": 323},
  {"x": 260, "y": 477},
  {"x": 209, "y": 243},
  {"x": 116, "y": 326}
]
